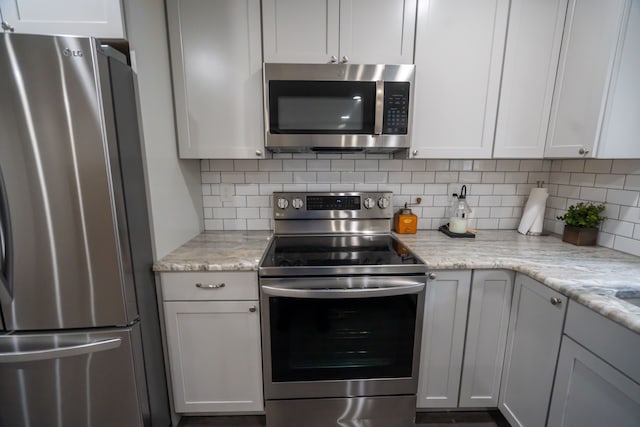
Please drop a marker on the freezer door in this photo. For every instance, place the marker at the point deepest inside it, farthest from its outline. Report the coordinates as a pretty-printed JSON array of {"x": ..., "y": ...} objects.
[
  {"x": 71, "y": 379},
  {"x": 65, "y": 263}
]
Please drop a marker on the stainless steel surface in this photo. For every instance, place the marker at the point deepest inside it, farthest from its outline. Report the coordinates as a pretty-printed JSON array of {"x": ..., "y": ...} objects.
[
  {"x": 387, "y": 411},
  {"x": 556, "y": 301},
  {"x": 337, "y": 72},
  {"x": 58, "y": 352},
  {"x": 60, "y": 194},
  {"x": 284, "y": 211},
  {"x": 96, "y": 388},
  {"x": 210, "y": 285},
  {"x": 338, "y": 388},
  {"x": 342, "y": 287},
  {"x": 340, "y": 226},
  {"x": 77, "y": 238},
  {"x": 432, "y": 276},
  {"x": 377, "y": 127}
]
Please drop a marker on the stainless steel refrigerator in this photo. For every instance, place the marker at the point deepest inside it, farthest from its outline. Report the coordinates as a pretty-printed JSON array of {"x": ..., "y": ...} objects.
[{"x": 79, "y": 334}]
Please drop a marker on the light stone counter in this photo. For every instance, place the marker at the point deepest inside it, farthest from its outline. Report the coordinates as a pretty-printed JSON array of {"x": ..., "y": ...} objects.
[
  {"x": 217, "y": 251},
  {"x": 589, "y": 275}
]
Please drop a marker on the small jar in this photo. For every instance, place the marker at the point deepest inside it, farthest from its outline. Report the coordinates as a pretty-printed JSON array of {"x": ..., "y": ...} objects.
[{"x": 406, "y": 222}]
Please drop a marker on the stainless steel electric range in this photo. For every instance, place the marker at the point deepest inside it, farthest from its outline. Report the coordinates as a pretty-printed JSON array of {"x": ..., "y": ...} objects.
[{"x": 342, "y": 307}]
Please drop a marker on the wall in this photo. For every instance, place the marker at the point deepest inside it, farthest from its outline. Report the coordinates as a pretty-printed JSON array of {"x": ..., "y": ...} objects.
[
  {"x": 616, "y": 183},
  {"x": 237, "y": 193},
  {"x": 173, "y": 185}
]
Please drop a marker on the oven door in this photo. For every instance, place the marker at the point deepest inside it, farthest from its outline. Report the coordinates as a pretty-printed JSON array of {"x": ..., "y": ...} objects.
[{"x": 341, "y": 336}]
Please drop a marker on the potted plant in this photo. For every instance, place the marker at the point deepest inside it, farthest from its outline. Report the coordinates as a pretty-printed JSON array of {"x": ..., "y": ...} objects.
[{"x": 581, "y": 223}]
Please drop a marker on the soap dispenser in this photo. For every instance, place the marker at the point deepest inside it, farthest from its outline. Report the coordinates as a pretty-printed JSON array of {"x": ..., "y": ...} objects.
[{"x": 459, "y": 212}]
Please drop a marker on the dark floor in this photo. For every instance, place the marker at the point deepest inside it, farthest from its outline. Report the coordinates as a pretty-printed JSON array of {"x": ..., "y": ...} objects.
[{"x": 423, "y": 419}]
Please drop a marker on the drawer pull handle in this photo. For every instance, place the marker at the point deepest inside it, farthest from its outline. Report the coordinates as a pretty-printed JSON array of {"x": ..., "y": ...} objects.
[
  {"x": 556, "y": 301},
  {"x": 252, "y": 309},
  {"x": 212, "y": 286}
]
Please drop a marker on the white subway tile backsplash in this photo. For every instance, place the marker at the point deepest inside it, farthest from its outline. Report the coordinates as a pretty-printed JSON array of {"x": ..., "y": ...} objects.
[
  {"x": 610, "y": 181},
  {"x": 592, "y": 194},
  {"x": 319, "y": 165},
  {"x": 294, "y": 165},
  {"x": 413, "y": 165},
  {"x": 237, "y": 194},
  {"x": 623, "y": 197}
]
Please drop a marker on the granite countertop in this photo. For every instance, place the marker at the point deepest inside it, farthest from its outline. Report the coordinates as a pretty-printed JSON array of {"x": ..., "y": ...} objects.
[
  {"x": 589, "y": 275},
  {"x": 217, "y": 251}
]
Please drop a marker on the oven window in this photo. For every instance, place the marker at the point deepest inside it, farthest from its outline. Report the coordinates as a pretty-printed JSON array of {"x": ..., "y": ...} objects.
[
  {"x": 342, "y": 339},
  {"x": 325, "y": 107}
]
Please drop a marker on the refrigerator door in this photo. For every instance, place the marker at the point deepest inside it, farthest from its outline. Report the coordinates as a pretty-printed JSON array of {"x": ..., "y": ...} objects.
[
  {"x": 66, "y": 264},
  {"x": 71, "y": 379}
]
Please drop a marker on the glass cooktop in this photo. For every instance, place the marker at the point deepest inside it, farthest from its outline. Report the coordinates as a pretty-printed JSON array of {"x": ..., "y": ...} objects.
[{"x": 333, "y": 251}]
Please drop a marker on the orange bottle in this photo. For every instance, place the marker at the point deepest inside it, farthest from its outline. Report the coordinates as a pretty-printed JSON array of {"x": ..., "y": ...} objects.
[{"x": 405, "y": 221}]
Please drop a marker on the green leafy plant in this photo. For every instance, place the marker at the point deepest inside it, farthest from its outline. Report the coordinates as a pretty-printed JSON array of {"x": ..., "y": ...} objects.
[{"x": 584, "y": 215}]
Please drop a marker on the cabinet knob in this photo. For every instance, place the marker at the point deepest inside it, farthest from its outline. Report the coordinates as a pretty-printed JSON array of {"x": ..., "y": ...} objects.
[
  {"x": 210, "y": 286},
  {"x": 583, "y": 152},
  {"x": 556, "y": 301},
  {"x": 333, "y": 59},
  {"x": 415, "y": 152},
  {"x": 344, "y": 59},
  {"x": 252, "y": 309},
  {"x": 432, "y": 276},
  {"x": 258, "y": 152}
]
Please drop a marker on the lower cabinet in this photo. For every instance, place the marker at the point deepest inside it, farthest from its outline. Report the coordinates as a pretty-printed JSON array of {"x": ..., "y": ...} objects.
[
  {"x": 213, "y": 335},
  {"x": 487, "y": 325},
  {"x": 533, "y": 342},
  {"x": 445, "y": 319},
  {"x": 598, "y": 378},
  {"x": 464, "y": 336}
]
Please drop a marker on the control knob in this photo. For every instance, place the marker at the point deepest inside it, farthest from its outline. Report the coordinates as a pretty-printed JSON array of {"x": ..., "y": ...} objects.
[
  {"x": 369, "y": 203},
  {"x": 297, "y": 203},
  {"x": 282, "y": 203},
  {"x": 383, "y": 203}
]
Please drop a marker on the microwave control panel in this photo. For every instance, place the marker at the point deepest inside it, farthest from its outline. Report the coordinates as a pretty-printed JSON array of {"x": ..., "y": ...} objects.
[{"x": 396, "y": 108}]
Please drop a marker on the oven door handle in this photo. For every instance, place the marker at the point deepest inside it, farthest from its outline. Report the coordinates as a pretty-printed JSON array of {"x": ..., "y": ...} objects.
[{"x": 327, "y": 293}]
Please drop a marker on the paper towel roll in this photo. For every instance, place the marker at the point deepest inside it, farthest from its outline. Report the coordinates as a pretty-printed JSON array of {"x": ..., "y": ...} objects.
[{"x": 533, "y": 214}]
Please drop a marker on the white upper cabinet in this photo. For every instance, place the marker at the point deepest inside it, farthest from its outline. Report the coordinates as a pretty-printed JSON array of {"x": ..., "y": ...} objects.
[
  {"x": 528, "y": 77},
  {"x": 96, "y": 18},
  {"x": 355, "y": 31},
  {"x": 217, "y": 76},
  {"x": 458, "y": 54},
  {"x": 590, "y": 61}
]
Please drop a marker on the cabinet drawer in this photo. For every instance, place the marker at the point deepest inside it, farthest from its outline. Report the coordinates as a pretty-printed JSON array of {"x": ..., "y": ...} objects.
[{"x": 209, "y": 286}]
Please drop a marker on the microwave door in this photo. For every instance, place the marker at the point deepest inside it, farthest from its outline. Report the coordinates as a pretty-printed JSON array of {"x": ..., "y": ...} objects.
[{"x": 322, "y": 107}]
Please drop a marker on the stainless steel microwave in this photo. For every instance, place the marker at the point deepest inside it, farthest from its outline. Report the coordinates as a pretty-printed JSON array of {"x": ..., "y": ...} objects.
[{"x": 338, "y": 107}]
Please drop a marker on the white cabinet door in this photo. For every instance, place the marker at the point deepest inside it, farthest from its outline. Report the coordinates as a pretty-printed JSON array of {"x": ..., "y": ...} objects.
[
  {"x": 377, "y": 31},
  {"x": 589, "y": 392},
  {"x": 301, "y": 31},
  {"x": 619, "y": 138},
  {"x": 217, "y": 76},
  {"x": 458, "y": 55},
  {"x": 445, "y": 318},
  {"x": 586, "y": 64},
  {"x": 214, "y": 353},
  {"x": 487, "y": 325},
  {"x": 528, "y": 77},
  {"x": 323, "y": 31},
  {"x": 533, "y": 342},
  {"x": 97, "y": 18}
]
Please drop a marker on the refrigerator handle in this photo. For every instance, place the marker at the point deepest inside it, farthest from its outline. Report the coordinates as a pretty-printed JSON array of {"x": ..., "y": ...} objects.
[
  {"x": 5, "y": 239},
  {"x": 56, "y": 353}
]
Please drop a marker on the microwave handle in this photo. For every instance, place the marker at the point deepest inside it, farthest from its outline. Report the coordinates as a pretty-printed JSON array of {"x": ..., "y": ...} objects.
[{"x": 377, "y": 124}]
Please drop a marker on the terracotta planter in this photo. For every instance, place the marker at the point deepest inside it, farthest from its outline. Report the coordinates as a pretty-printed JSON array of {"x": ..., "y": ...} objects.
[{"x": 580, "y": 236}]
